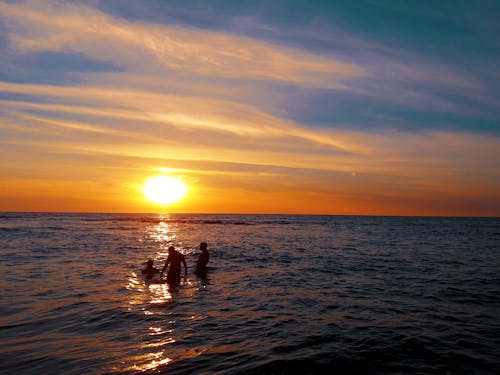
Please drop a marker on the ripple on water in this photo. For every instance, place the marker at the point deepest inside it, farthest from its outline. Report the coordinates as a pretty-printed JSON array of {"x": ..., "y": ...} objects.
[{"x": 286, "y": 294}]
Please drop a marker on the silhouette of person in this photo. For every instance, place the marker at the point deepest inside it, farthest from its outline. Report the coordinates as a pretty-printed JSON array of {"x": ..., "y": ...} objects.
[
  {"x": 201, "y": 263},
  {"x": 174, "y": 273},
  {"x": 150, "y": 271}
]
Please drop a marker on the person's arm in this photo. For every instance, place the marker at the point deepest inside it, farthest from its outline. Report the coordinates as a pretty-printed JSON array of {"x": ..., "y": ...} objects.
[
  {"x": 165, "y": 266},
  {"x": 185, "y": 266}
]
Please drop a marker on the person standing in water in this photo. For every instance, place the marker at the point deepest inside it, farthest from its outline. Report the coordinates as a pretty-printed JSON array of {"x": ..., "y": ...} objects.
[
  {"x": 201, "y": 264},
  {"x": 175, "y": 259}
]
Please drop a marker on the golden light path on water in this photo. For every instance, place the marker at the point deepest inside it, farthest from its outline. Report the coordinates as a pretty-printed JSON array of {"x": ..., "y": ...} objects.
[
  {"x": 145, "y": 296},
  {"x": 152, "y": 298},
  {"x": 162, "y": 234}
]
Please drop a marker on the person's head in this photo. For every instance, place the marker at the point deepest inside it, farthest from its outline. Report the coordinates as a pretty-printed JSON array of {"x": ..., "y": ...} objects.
[
  {"x": 150, "y": 262},
  {"x": 171, "y": 249},
  {"x": 203, "y": 246}
]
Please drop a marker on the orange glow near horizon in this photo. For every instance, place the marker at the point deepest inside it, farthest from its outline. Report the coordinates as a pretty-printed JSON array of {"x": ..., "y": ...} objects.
[{"x": 219, "y": 194}]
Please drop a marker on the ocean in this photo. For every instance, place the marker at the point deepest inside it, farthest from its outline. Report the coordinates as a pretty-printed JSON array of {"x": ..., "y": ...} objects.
[{"x": 285, "y": 294}]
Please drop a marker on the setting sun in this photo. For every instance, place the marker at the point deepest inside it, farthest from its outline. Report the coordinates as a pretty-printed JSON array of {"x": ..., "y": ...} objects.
[{"x": 164, "y": 189}]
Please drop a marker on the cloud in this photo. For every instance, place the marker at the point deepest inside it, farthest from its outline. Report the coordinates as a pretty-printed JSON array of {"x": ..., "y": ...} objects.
[
  {"x": 186, "y": 59},
  {"x": 172, "y": 111},
  {"x": 139, "y": 46},
  {"x": 159, "y": 126},
  {"x": 400, "y": 72}
]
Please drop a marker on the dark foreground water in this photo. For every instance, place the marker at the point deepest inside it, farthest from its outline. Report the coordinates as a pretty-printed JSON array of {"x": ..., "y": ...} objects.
[{"x": 287, "y": 294}]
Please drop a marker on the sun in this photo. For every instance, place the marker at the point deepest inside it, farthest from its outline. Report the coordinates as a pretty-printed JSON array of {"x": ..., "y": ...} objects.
[{"x": 164, "y": 189}]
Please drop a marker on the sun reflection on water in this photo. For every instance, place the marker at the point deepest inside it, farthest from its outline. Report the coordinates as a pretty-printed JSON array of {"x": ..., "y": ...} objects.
[
  {"x": 148, "y": 361},
  {"x": 160, "y": 293},
  {"x": 149, "y": 298},
  {"x": 162, "y": 233},
  {"x": 158, "y": 344},
  {"x": 147, "y": 294}
]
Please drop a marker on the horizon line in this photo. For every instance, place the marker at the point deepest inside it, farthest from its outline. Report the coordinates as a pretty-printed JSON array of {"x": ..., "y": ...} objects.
[{"x": 239, "y": 213}]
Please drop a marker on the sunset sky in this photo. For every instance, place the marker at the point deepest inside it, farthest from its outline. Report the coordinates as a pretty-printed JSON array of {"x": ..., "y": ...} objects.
[{"x": 309, "y": 107}]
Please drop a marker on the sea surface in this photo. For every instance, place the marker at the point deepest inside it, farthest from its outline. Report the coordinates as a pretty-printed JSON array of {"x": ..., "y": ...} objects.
[{"x": 285, "y": 295}]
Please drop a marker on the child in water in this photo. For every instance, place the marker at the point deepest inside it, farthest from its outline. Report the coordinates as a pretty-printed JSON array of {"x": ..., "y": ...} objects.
[{"x": 150, "y": 271}]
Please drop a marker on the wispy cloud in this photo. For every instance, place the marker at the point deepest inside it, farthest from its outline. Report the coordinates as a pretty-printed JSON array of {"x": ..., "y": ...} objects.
[
  {"x": 58, "y": 26},
  {"x": 172, "y": 111},
  {"x": 154, "y": 125}
]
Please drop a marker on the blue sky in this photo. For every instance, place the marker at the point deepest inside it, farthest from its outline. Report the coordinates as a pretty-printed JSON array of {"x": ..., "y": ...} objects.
[
  {"x": 405, "y": 94},
  {"x": 431, "y": 64}
]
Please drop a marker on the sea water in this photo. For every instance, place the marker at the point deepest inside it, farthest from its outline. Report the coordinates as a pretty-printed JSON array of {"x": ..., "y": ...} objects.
[{"x": 285, "y": 294}]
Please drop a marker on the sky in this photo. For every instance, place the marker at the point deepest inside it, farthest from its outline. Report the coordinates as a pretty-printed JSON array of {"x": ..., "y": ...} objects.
[{"x": 305, "y": 107}]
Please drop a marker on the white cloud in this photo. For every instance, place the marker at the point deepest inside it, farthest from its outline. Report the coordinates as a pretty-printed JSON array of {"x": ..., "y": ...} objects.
[{"x": 140, "y": 46}]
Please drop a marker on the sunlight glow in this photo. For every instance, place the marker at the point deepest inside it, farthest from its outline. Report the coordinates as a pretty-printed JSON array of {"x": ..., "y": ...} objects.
[
  {"x": 148, "y": 361},
  {"x": 164, "y": 189}
]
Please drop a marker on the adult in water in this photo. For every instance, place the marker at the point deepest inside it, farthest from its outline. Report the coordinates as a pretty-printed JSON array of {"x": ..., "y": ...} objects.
[
  {"x": 174, "y": 273},
  {"x": 150, "y": 271},
  {"x": 201, "y": 264}
]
